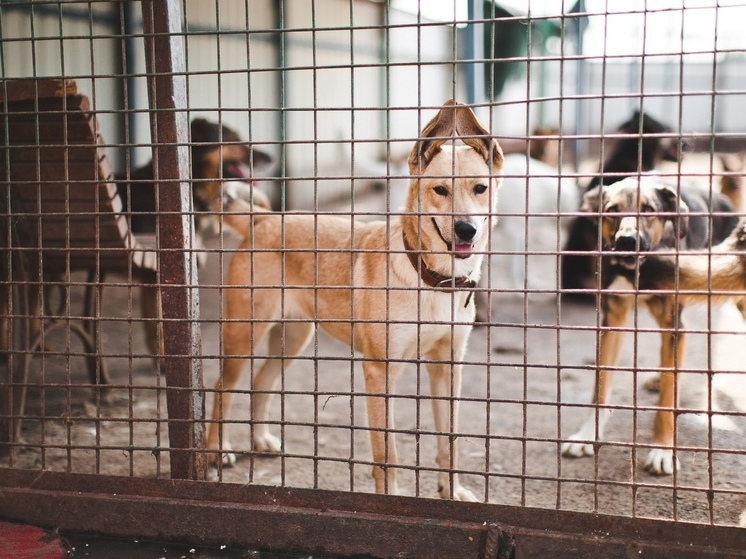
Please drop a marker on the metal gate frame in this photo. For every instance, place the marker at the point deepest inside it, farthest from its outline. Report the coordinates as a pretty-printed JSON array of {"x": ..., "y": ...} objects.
[
  {"x": 167, "y": 91},
  {"x": 284, "y": 519},
  {"x": 339, "y": 524}
]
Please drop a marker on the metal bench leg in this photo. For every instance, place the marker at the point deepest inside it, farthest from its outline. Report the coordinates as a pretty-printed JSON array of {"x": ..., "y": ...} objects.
[
  {"x": 13, "y": 389},
  {"x": 94, "y": 293}
]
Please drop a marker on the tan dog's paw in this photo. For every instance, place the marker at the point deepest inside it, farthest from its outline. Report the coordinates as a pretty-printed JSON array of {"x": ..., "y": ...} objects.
[
  {"x": 577, "y": 449},
  {"x": 266, "y": 442},
  {"x": 227, "y": 459},
  {"x": 661, "y": 462},
  {"x": 459, "y": 494}
]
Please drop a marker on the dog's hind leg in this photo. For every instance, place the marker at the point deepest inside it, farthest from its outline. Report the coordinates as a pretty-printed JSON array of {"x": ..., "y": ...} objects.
[
  {"x": 289, "y": 338},
  {"x": 615, "y": 311},
  {"x": 240, "y": 338},
  {"x": 445, "y": 389},
  {"x": 661, "y": 461}
]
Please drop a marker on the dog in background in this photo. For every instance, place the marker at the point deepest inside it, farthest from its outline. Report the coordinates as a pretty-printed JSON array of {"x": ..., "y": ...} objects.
[
  {"x": 217, "y": 154},
  {"x": 543, "y": 145},
  {"x": 422, "y": 264},
  {"x": 222, "y": 165},
  {"x": 640, "y": 152},
  {"x": 639, "y": 218},
  {"x": 718, "y": 170}
]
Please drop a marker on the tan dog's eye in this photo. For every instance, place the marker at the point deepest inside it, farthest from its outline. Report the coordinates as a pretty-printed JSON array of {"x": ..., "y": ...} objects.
[
  {"x": 646, "y": 208},
  {"x": 480, "y": 189},
  {"x": 440, "y": 190},
  {"x": 611, "y": 209}
]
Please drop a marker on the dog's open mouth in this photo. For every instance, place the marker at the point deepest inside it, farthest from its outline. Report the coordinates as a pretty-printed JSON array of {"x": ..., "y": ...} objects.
[
  {"x": 462, "y": 250},
  {"x": 236, "y": 170},
  {"x": 459, "y": 248}
]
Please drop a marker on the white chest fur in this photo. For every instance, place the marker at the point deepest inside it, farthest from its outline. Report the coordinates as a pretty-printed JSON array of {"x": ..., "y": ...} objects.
[{"x": 623, "y": 287}]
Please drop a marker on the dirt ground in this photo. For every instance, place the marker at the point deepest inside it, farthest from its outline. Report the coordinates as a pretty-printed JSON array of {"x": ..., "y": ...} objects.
[{"x": 526, "y": 379}]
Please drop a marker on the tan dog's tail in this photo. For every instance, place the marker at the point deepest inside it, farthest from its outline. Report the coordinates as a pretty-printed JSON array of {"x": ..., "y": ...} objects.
[{"x": 702, "y": 277}]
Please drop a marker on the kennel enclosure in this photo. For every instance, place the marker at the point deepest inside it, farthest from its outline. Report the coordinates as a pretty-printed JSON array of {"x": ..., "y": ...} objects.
[{"x": 337, "y": 92}]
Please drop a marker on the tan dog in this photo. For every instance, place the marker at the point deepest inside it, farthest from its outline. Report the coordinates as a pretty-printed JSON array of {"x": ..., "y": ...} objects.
[
  {"x": 397, "y": 291},
  {"x": 639, "y": 220}
]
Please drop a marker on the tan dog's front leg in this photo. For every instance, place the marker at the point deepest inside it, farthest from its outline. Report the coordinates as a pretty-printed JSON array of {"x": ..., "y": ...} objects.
[
  {"x": 615, "y": 315},
  {"x": 379, "y": 382},
  {"x": 662, "y": 461},
  {"x": 445, "y": 389}
]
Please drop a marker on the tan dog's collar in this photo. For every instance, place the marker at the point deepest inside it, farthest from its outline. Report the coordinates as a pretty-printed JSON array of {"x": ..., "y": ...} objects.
[{"x": 434, "y": 279}]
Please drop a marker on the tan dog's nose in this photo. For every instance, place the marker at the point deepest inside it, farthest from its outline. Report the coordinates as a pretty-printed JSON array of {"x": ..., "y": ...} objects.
[{"x": 465, "y": 230}]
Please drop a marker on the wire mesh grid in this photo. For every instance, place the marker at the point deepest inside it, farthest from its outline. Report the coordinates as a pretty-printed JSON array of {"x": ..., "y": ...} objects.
[{"x": 312, "y": 109}]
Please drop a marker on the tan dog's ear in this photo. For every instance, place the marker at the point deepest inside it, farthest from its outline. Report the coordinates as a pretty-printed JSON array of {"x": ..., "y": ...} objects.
[
  {"x": 477, "y": 137},
  {"x": 434, "y": 135},
  {"x": 592, "y": 202},
  {"x": 458, "y": 119},
  {"x": 672, "y": 204}
]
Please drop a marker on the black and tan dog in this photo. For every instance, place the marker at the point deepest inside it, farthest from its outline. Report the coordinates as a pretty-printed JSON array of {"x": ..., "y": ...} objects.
[
  {"x": 218, "y": 154},
  {"x": 643, "y": 148},
  {"x": 222, "y": 168},
  {"x": 638, "y": 219}
]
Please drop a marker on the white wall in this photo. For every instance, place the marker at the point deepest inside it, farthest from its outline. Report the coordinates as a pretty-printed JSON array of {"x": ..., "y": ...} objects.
[
  {"x": 233, "y": 75},
  {"x": 695, "y": 98},
  {"x": 336, "y": 78},
  {"x": 84, "y": 55}
]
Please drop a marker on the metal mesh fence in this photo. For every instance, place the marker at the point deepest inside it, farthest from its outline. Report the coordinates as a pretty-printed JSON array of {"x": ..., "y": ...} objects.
[{"x": 295, "y": 186}]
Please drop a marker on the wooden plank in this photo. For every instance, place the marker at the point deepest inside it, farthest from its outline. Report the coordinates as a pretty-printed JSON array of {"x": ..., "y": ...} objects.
[
  {"x": 54, "y": 174},
  {"x": 50, "y": 154},
  {"x": 29, "y": 108},
  {"x": 18, "y": 90},
  {"x": 49, "y": 127}
]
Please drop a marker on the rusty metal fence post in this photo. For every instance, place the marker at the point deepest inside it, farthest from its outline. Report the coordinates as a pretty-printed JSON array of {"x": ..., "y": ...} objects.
[{"x": 166, "y": 69}]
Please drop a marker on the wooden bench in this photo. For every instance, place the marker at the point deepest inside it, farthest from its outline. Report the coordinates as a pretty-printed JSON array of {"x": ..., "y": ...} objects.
[{"x": 59, "y": 213}]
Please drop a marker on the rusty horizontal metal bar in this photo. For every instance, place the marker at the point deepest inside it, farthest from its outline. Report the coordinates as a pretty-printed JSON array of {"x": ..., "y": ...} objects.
[{"x": 329, "y": 523}]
